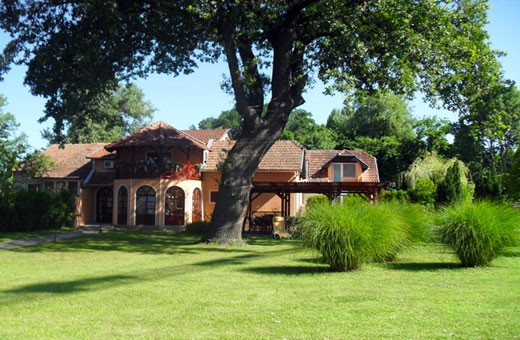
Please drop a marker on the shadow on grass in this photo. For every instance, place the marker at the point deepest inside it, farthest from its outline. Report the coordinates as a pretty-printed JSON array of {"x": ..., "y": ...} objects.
[
  {"x": 133, "y": 242},
  {"x": 235, "y": 260},
  {"x": 68, "y": 287},
  {"x": 287, "y": 270},
  {"x": 427, "y": 266}
]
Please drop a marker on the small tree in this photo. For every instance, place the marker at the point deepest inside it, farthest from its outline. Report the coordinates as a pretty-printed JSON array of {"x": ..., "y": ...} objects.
[{"x": 455, "y": 187}]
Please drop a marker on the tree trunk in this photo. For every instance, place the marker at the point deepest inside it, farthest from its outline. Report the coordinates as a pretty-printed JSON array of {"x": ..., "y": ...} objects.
[{"x": 237, "y": 180}]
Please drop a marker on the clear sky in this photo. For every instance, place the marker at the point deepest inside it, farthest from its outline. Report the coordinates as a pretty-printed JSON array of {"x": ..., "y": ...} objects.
[{"x": 186, "y": 100}]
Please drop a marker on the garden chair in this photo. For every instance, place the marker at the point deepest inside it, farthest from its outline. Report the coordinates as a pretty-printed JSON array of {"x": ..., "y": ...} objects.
[{"x": 279, "y": 230}]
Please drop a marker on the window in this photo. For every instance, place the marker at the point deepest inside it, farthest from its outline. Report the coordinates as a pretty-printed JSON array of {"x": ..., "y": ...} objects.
[
  {"x": 49, "y": 186},
  {"x": 34, "y": 187},
  {"x": 60, "y": 186},
  {"x": 213, "y": 196},
  {"x": 196, "y": 205},
  {"x": 73, "y": 187},
  {"x": 343, "y": 170},
  {"x": 122, "y": 205},
  {"x": 152, "y": 158},
  {"x": 145, "y": 206},
  {"x": 108, "y": 164}
]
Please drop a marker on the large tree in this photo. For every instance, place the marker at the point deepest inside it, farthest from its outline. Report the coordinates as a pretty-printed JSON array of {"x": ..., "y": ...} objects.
[{"x": 272, "y": 48}]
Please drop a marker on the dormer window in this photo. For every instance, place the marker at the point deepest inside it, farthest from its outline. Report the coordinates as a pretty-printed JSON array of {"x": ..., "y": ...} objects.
[{"x": 343, "y": 170}]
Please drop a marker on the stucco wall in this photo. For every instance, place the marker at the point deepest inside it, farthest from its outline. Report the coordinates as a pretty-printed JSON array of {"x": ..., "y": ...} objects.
[
  {"x": 160, "y": 187},
  {"x": 265, "y": 203}
]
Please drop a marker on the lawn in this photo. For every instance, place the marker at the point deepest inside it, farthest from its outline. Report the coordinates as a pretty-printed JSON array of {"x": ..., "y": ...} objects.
[
  {"x": 163, "y": 285},
  {"x": 4, "y": 236}
]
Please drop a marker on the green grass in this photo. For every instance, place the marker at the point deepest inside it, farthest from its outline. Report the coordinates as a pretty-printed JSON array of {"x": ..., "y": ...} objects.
[
  {"x": 163, "y": 285},
  {"x": 4, "y": 236}
]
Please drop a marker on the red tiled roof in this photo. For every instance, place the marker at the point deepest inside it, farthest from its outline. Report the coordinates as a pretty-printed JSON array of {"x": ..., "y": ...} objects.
[
  {"x": 207, "y": 134},
  {"x": 282, "y": 156},
  {"x": 71, "y": 159},
  {"x": 101, "y": 154},
  {"x": 158, "y": 133},
  {"x": 318, "y": 159}
]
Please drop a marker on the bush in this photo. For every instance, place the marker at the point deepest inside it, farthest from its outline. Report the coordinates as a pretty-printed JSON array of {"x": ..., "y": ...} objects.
[
  {"x": 395, "y": 195},
  {"x": 29, "y": 211},
  {"x": 316, "y": 200},
  {"x": 424, "y": 192},
  {"x": 349, "y": 235},
  {"x": 199, "y": 227},
  {"x": 477, "y": 232}
]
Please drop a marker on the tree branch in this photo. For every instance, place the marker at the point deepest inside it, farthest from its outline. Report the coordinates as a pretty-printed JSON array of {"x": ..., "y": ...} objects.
[{"x": 237, "y": 81}]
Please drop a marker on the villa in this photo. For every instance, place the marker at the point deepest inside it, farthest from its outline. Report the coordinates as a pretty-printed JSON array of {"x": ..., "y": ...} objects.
[{"x": 162, "y": 176}]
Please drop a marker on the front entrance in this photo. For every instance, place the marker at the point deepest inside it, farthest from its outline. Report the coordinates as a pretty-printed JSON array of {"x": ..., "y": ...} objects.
[
  {"x": 174, "y": 206},
  {"x": 104, "y": 205}
]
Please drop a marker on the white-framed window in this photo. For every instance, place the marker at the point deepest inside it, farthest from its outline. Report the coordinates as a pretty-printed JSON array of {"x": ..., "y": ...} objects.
[{"x": 343, "y": 170}]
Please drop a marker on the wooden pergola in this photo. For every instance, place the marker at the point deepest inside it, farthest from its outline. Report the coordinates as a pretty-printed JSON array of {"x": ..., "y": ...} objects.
[{"x": 369, "y": 190}]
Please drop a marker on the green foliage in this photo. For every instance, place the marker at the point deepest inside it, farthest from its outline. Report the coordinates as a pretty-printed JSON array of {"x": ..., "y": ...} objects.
[
  {"x": 381, "y": 125},
  {"x": 94, "y": 44},
  {"x": 316, "y": 200},
  {"x": 478, "y": 231},
  {"x": 433, "y": 132},
  {"x": 512, "y": 178},
  {"x": 428, "y": 167},
  {"x": 302, "y": 128},
  {"x": 451, "y": 189},
  {"x": 28, "y": 210},
  {"x": 108, "y": 117},
  {"x": 349, "y": 235},
  {"x": 395, "y": 195},
  {"x": 424, "y": 192},
  {"x": 199, "y": 227},
  {"x": 12, "y": 147},
  {"x": 229, "y": 119}
]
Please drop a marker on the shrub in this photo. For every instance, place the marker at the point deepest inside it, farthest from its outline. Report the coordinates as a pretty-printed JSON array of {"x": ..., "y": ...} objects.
[
  {"x": 316, "y": 200},
  {"x": 424, "y": 192},
  {"x": 349, "y": 235},
  {"x": 477, "y": 232},
  {"x": 395, "y": 195},
  {"x": 28, "y": 210},
  {"x": 199, "y": 227}
]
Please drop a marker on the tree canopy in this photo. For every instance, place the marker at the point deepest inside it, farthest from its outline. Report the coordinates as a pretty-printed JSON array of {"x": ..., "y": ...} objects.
[
  {"x": 382, "y": 125},
  {"x": 76, "y": 50},
  {"x": 114, "y": 115}
]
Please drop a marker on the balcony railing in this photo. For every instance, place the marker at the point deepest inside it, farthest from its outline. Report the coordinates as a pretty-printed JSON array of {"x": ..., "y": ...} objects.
[{"x": 144, "y": 170}]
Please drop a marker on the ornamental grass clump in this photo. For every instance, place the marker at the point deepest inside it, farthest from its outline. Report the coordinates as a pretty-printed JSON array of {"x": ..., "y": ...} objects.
[
  {"x": 348, "y": 235},
  {"x": 479, "y": 231}
]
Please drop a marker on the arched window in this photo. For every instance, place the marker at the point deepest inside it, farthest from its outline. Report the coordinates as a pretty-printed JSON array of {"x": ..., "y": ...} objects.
[
  {"x": 122, "y": 206},
  {"x": 145, "y": 206},
  {"x": 174, "y": 206},
  {"x": 196, "y": 206},
  {"x": 104, "y": 204}
]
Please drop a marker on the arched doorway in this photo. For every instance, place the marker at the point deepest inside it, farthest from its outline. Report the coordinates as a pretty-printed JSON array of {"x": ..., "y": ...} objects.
[
  {"x": 145, "y": 206},
  {"x": 104, "y": 205},
  {"x": 174, "y": 206},
  {"x": 196, "y": 208},
  {"x": 122, "y": 206}
]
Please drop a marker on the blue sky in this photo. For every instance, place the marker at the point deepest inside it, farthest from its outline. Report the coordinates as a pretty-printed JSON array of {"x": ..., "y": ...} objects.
[{"x": 186, "y": 100}]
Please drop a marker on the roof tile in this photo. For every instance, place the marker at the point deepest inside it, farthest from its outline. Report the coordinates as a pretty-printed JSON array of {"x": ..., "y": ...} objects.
[
  {"x": 71, "y": 159},
  {"x": 158, "y": 133}
]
